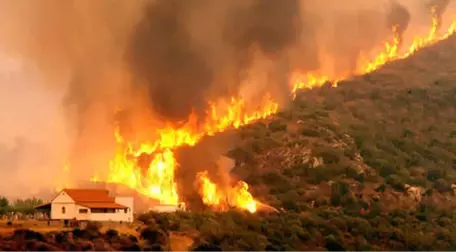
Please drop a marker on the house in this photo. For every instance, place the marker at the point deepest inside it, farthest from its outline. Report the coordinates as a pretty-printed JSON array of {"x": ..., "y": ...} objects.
[
  {"x": 167, "y": 208},
  {"x": 89, "y": 205}
]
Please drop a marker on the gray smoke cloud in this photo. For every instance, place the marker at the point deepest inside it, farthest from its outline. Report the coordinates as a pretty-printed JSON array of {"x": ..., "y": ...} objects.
[
  {"x": 178, "y": 74},
  {"x": 399, "y": 16}
]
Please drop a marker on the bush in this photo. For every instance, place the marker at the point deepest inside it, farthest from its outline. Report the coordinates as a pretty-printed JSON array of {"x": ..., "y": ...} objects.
[
  {"x": 310, "y": 132},
  {"x": 442, "y": 185},
  {"x": 111, "y": 234},
  {"x": 332, "y": 244},
  {"x": 206, "y": 247},
  {"x": 395, "y": 181},
  {"x": 26, "y": 234},
  {"x": 276, "y": 126},
  {"x": 154, "y": 236},
  {"x": 434, "y": 174},
  {"x": 93, "y": 226},
  {"x": 83, "y": 234}
]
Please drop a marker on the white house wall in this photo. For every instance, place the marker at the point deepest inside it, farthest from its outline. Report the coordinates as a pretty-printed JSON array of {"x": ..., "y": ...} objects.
[
  {"x": 165, "y": 208},
  {"x": 72, "y": 210},
  {"x": 119, "y": 215},
  {"x": 128, "y": 202},
  {"x": 63, "y": 200}
]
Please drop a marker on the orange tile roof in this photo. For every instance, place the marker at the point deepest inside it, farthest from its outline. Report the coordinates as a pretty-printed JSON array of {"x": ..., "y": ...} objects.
[
  {"x": 93, "y": 198},
  {"x": 111, "y": 205},
  {"x": 89, "y": 195}
]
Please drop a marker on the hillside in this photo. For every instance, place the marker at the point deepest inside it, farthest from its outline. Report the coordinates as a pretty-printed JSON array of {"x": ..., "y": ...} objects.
[
  {"x": 368, "y": 165},
  {"x": 379, "y": 133}
]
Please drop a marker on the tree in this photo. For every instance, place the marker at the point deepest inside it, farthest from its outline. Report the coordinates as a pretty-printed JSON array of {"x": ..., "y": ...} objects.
[
  {"x": 4, "y": 206},
  {"x": 26, "y": 206}
]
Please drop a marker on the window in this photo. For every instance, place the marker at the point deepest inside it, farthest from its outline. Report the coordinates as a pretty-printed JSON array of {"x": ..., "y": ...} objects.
[
  {"x": 102, "y": 210},
  {"x": 63, "y": 210},
  {"x": 126, "y": 210},
  {"x": 83, "y": 211}
]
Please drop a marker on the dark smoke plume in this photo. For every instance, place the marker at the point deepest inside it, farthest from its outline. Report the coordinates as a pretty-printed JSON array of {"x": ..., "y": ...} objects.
[
  {"x": 272, "y": 25},
  {"x": 439, "y": 7},
  {"x": 175, "y": 72},
  {"x": 399, "y": 16}
]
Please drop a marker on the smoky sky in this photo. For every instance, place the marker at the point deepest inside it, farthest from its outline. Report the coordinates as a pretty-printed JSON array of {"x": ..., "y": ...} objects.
[
  {"x": 176, "y": 74},
  {"x": 398, "y": 15},
  {"x": 440, "y": 8},
  {"x": 272, "y": 25}
]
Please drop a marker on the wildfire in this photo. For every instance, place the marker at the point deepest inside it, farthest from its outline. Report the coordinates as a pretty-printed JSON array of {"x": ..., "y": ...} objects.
[
  {"x": 155, "y": 178},
  {"x": 390, "y": 53},
  {"x": 309, "y": 81},
  {"x": 237, "y": 196}
]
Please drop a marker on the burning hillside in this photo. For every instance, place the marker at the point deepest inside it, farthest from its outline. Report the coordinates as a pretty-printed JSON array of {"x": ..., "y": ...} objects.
[
  {"x": 185, "y": 70},
  {"x": 155, "y": 178}
]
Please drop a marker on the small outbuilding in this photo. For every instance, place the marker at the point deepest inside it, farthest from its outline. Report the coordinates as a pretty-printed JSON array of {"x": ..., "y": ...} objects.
[{"x": 89, "y": 205}]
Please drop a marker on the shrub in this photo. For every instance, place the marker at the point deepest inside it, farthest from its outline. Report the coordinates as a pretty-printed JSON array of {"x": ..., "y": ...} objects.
[
  {"x": 111, "y": 234},
  {"x": 332, "y": 244},
  {"x": 395, "y": 182},
  {"x": 434, "y": 174},
  {"x": 26, "y": 234},
  {"x": 154, "y": 236},
  {"x": 442, "y": 185},
  {"x": 206, "y": 247},
  {"x": 276, "y": 126},
  {"x": 310, "y": 132},
  {"x": 83, "y": 234},
  {"x": 93, "y": 226}
]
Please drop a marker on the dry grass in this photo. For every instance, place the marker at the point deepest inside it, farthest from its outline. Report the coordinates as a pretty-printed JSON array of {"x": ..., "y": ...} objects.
[
  {"x": 36, "y": 225},
  {"x": 43, "y": 227},
  {"x": 180, "y": 242}
]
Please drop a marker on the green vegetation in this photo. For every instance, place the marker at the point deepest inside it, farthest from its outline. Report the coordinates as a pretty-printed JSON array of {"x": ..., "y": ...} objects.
[
  {"x": 322, "y": 229},
  {"x": 375, "y": 134},
  {"x": 350, "y": 154},
  {"x": 24, "y": 206}
]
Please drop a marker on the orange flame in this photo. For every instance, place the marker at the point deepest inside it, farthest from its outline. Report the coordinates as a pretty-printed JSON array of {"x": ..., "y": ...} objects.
[
  {"x": 222, "y": 199},
  {"x": 157, "y": 179},
  {"x": 389, "y": 54}
]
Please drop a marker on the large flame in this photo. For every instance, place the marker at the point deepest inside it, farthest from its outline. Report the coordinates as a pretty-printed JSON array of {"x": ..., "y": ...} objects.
[
  {"x": 222, "y": 199},
  {"x": 157, "y": 180},
  {"x": 391, "y": 52}
]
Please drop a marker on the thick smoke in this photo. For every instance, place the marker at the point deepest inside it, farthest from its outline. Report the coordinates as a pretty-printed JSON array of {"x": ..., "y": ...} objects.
[
  {"x": 82, "y": 61},
  {"x": 439, "y": 6},
  {"x": 60, "y": 79},
  {"x": 179, "y": 74},
  {"x": 399, "y": 16},
  {"x": 163, "y": 59}
]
